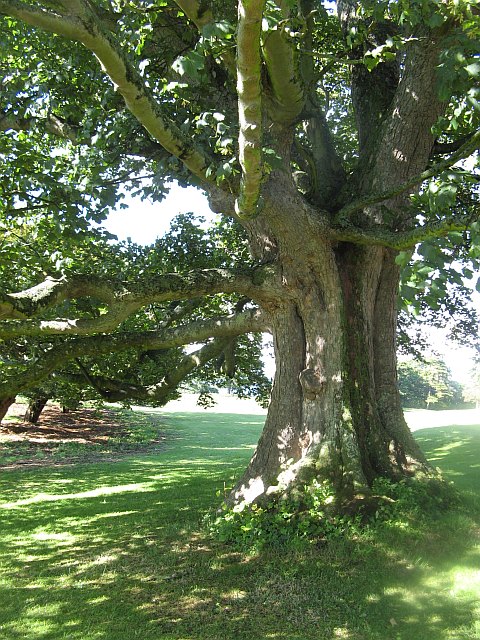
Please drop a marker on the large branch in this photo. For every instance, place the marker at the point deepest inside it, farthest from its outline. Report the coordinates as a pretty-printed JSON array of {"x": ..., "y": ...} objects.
[
  {"x": 288, "y": 97},
  {"x": 373, "y": 90},
  {"x": 249, "y": 30},
  {"x": 121, "y": 298},
  {"x": 113, "y": 390},
  {"x": 324, "y": 165},
  {"x": 50, "y": 124},
  {"x": 406, "y": 139},
  {"x": 83, "y": 25},
  {"x": 59, "y": 355},
  {"x": 403, "y": 240},
  {"x": 469, "y": 147}
]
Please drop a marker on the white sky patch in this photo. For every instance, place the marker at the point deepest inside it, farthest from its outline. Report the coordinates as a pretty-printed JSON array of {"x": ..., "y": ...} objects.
[{"x": 143, "y": 222}]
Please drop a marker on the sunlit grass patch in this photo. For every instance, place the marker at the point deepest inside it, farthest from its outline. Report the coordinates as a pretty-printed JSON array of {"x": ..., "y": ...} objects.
[{"x": 111, "y": 551}]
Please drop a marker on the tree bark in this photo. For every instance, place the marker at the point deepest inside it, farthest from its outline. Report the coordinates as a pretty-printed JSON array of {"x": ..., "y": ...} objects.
[
  {"x": 5, "y": 404},
  {"x": 335, "y": 411},
  {"x": 35, "y": 408}
]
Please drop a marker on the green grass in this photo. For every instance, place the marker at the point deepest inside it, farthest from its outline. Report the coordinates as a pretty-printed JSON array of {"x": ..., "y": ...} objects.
[
  {"x": 136, "y": 433},
  {"x": 117, "y": 551}
]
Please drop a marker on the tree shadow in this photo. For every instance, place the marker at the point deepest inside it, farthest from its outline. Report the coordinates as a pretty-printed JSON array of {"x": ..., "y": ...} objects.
[{"x": 106, "y": 552}]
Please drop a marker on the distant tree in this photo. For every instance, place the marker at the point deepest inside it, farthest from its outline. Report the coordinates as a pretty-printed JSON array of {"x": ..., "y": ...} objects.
[
  {"x": 471, "y": 392},
  {"x": 35, "y": 407},
  {"x": 428, "y": 383}
]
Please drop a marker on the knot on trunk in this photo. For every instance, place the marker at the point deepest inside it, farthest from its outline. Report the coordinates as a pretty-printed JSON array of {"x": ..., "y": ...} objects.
[{"x": 313, "y": 382}]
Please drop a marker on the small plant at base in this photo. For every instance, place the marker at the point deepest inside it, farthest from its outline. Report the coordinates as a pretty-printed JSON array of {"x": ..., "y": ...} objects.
[
  {"x": 312, "y": 515},
  {"x": 306, "y": 516},
  {"x": 413, "y": 498}
]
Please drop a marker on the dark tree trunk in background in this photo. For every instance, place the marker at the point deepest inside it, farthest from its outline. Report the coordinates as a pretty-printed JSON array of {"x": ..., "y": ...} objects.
[
  {"x": 35, "y": 408},
  {"x": 5, "y": 404}
]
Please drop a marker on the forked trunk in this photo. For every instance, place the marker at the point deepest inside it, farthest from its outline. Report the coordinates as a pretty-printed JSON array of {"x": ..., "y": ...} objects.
[{"x": 335, "y": 409}]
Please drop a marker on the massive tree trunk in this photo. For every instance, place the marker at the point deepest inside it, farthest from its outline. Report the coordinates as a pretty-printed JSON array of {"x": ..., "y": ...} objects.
[{"x": 335, "y": 411}]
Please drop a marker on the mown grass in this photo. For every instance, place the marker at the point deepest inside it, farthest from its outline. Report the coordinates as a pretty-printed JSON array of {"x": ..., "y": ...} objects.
[{"x": 117, "y": 551}]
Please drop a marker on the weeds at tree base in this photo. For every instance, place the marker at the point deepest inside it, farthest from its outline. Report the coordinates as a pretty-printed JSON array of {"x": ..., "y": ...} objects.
[{"x": 313, "y": 517}]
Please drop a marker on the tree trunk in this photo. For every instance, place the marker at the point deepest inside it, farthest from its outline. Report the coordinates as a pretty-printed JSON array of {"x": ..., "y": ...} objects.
[
  {"x": 5, "y": 404},
  {"x": 35, "y": 408},
  {"x": 335, "y": 411}
]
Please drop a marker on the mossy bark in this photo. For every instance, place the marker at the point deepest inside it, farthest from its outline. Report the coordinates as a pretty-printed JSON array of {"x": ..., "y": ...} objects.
[{"x": 335, "y": 411}]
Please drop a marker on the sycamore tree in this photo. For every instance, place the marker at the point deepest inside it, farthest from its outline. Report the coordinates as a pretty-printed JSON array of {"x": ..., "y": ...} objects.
[{"x": 336, "y": 141}]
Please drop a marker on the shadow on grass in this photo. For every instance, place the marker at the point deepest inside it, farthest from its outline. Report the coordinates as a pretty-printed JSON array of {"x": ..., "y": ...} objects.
[{"x": 113, "y": 552}]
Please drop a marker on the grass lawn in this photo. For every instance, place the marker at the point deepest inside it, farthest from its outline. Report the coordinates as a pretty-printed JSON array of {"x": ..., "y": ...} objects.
[{"x": 116, "y": 550}]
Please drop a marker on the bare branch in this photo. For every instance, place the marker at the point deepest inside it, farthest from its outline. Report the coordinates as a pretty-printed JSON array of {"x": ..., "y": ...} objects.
[
  {"x": 463, "y": 152},
  {"x": 250, "y": 14},
  {"x": 402, "y": 241},
  {"x": 113, "y": 390},
  {"x": 405, "y": 141}
]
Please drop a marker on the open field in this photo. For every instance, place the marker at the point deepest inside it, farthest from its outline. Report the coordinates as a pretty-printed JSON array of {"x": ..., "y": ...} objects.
[{"x": 117, "y": 550}]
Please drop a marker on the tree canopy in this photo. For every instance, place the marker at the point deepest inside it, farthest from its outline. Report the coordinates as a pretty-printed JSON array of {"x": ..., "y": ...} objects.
[
  {"x": 340, "y": 144},
  {"x": 428, "y": 384}
]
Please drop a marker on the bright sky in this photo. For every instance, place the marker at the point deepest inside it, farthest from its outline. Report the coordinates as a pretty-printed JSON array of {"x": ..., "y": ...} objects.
[{"x": 143, "y": 222}]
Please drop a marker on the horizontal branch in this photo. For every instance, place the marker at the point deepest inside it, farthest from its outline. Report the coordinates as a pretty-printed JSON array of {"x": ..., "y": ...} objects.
[
  {"x": 403, "y": 240},
  {"x": 121, "y": 299},
  {"x": 59, "y": 355},
  {"x": 113, "y": 390},
  {"x": 463, "y": 152},
  {"x": 86, "y": 27},
  {"x": 50, "y": 124}
]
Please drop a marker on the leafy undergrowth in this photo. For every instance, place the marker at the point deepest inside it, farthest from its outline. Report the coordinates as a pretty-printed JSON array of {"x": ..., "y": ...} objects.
[
  {"x": 312, "y": 516},
  {"x": 111, "y": 552}
]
